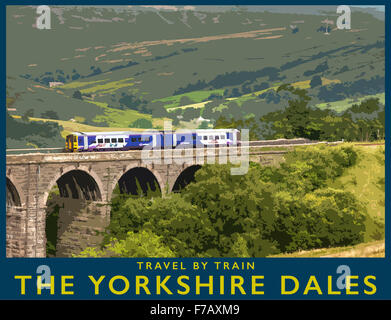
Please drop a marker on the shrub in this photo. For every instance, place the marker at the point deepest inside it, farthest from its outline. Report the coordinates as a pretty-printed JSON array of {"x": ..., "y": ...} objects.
[
  {"x": 266, "y": 211},
  {"x": 308, "y": 169},
  {"x": 135, "y": 245},
  {"x": 141, "y": 123}
]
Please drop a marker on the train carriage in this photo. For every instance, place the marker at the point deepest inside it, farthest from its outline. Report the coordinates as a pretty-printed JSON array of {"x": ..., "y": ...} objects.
[{"x": 128, "y": 140}]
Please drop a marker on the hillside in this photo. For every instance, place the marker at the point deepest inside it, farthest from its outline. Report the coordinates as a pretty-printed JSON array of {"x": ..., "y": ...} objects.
[
  {"x": 114, "y": 65},
  {"x": 374, "y": 249},
  {"x": 366, "y": 181},
  {"x": 321, "y": 201}
]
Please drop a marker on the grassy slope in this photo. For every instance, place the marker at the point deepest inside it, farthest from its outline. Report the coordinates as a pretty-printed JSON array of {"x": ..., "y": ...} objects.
[
  {"x": 199, "y": 96},
  {"x": 99, "y": 44},
  {"x": 342, "y": 105},
  {"x": 362, "y": 180},
  {"x": 172, "y": 102},
  {"x": 70, "y": 126},
  {"x": 375, "y": 249},
  {"x": 123, "y": 118}
]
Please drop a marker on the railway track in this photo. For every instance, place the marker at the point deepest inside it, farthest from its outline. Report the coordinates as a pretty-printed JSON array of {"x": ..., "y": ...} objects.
[{"x": 251, "y": 144}]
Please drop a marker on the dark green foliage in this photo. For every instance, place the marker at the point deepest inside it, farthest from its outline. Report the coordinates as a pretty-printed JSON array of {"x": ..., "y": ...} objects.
[
  {"x": 340, "y": 91},
  {"x": 77, "y": 95},
  {"x": 365, "y": 121},
  {"x": 51, "y": 227},
  {"x": 316, "y": 81},
  {"x": 134, "y": 103},
  {"x": 236, "y": 206},
  {"x": 141, "y": 244},
  {"x": 141, "y": 123},
  {"x": 266, "y": 211},
  {"x": 39, "y": 133},
  {"x": 50, "y": 114},
  {"x": 322, "y": 219},
  {"x": 309, "y": 170},
  {"x": 176, "y": 220},
  {"x": 319, "y": 69},
  {"x": 368, "y": 106},
  {"x": 203, "y": 125},
  {"x": 185, "y": 101},
  {"x": 190, "y": 114},
  {"x": 29, "y": 113},
  {"x": 199, "y": 85},
  {"x": 158, "y": 109}
]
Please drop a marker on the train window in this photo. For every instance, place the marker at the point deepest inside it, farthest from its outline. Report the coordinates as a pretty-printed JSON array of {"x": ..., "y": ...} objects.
[
  {"x": 100, "y": 140},
  {"x": 139, "y": 139},
  {"x": 222, "y": 137},
  {"x": 107, "y": 140},
  {"x": 120, "y": 140},
  {"x": 134, "y": 139},
  {"x": 145, "y": 139},
  {"x": 217, "y": 137},
  {"x": 210, "y": 137},
  {"x": 114, "y": 140},
  {"x": 205, "y": 138},
  {"x": 74, "y": 139}
]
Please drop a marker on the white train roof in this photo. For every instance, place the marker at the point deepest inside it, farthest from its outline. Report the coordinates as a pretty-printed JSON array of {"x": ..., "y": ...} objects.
[{"x": 152, "y": 131}]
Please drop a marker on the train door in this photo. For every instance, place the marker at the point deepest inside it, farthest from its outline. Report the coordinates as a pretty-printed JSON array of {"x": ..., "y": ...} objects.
[
  {"x": 85, "y": 147},
  {"x": 236, "y": 137}
]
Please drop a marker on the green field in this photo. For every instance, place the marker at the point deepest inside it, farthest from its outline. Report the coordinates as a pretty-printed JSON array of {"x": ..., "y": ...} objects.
[
  {"x": 74, "y": 126},
  {"x": 92, "y": 70},
  {"x": 122, "y": 118},
  {"x": 366, "y": 181},
  {"x": 173, "y": 102},
  {"x": 345, "y": 104}
]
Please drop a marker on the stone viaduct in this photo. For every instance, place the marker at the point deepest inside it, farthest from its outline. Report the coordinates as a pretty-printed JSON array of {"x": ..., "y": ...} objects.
[{"x": 82, "y": 185}]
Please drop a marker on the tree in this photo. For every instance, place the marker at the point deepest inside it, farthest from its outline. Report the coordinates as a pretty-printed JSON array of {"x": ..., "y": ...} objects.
[
  {"x": 203, "y": 125},
  {"x": 136, "y": 245},
  {"x": 327, "y": 22},
  {"x": 141, "y": 123},
  {"x": 77, "y": 95},
  {"x": 367, "y": 106},
  {"x": 42, "y": 134},
  {"x": 50, "y": 114},
  {"x": 129, "y": 102},
  {"x": 26, "y": 116},
  {"x": 245, "y": 215},
  {"x": 272, "y": 209},
  {"x": 316, "y": 81},
  {"x": 185, "y": 100},
  {"x": 158, "y": 110},
  {"x": 190, "y": 114}
]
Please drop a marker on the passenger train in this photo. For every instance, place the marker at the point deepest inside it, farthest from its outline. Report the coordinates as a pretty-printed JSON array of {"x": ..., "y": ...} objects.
[{"x": 128, "y": 140}]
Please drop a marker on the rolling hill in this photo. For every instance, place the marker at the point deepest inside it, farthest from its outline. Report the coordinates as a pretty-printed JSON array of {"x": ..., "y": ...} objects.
[{"x": 108, "y": 66}]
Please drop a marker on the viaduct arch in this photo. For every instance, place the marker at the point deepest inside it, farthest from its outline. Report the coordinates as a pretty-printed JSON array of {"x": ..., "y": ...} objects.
[
  {"x": 85, "y": 183},
  {"x": 84, "y": 186}
]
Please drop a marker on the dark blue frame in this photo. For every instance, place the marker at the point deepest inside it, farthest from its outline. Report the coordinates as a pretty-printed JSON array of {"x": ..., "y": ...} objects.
[{"x": 271, "y": 268}]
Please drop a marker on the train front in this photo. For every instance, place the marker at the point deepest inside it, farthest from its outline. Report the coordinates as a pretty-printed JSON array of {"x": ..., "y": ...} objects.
[{"x": 71, "y": 143}]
